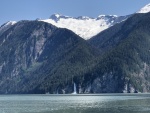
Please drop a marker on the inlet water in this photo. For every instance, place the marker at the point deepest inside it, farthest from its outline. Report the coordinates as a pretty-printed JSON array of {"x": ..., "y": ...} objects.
[{"x": 106, "y": 103}]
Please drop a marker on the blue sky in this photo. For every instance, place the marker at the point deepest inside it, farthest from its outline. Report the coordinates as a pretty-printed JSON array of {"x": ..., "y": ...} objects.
[{"x": 32, "y": 9}]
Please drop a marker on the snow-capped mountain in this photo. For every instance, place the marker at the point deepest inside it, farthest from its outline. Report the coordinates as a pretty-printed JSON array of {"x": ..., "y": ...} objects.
[
  {"x": 145, "y": 9},
  {"x": 6, "y": 26},
  {"x": 84, "y": 26}
]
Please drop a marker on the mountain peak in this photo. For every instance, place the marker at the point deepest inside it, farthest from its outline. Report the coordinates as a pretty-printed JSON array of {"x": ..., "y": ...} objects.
[
  {"x": 145, "y": 9},
  {"x": 107, "y": 16},
  {"x": 9, "y": 23},
  {"x": 56, "y": 17},
  {"x": 6, "y": 25},
  {"x": 84, "y": 26},
  {"x": 83, "y": 18}
]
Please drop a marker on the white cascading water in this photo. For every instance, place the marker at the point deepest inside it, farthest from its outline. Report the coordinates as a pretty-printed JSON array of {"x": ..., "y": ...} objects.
[{"x": 75, "y": 90}]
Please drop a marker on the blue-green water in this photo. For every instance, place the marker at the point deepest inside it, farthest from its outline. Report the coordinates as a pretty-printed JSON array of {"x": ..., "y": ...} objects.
[{"x": 105, "y": 103}]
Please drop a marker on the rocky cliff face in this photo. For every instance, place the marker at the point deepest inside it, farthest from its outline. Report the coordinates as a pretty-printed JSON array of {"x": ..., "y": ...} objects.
[
  {"x": 21, "y": 46},
  {"x": 36, "y": 57},
  {"x": 127, "y": 43}
]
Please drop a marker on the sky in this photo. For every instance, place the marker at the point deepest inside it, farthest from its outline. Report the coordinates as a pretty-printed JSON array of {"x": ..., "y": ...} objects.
[{"x": 15, "y": 10}]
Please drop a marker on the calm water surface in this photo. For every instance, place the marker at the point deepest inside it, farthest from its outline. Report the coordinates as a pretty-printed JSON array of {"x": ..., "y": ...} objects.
[{"x": 105, "y": 103}]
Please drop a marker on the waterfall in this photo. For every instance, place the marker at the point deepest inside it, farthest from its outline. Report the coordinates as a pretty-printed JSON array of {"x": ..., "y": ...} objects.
[
  {"x": 57, "y": 92},
  {"x": 75, "y": 90}
]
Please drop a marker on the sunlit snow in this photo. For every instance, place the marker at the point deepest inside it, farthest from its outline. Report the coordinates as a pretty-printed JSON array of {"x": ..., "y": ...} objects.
[
  {"x": 83, "y": 26},
  {"x": 145, "y": 9}
]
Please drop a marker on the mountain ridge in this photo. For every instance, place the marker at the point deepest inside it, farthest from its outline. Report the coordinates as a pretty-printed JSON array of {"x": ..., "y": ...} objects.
[
  {"x": 87, "y": 27},
  {"x": 84, "y": 26},
  {"x": 145, "y": 9}
]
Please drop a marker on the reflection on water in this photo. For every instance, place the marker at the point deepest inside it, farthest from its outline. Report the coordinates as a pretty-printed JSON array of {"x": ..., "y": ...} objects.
[{"x": 106, "y": 103}]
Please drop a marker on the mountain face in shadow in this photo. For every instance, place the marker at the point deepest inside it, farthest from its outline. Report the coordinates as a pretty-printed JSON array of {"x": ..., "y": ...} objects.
[
  {"x": 125, "y": 48},
  {"x": 37, "y": 57}
]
